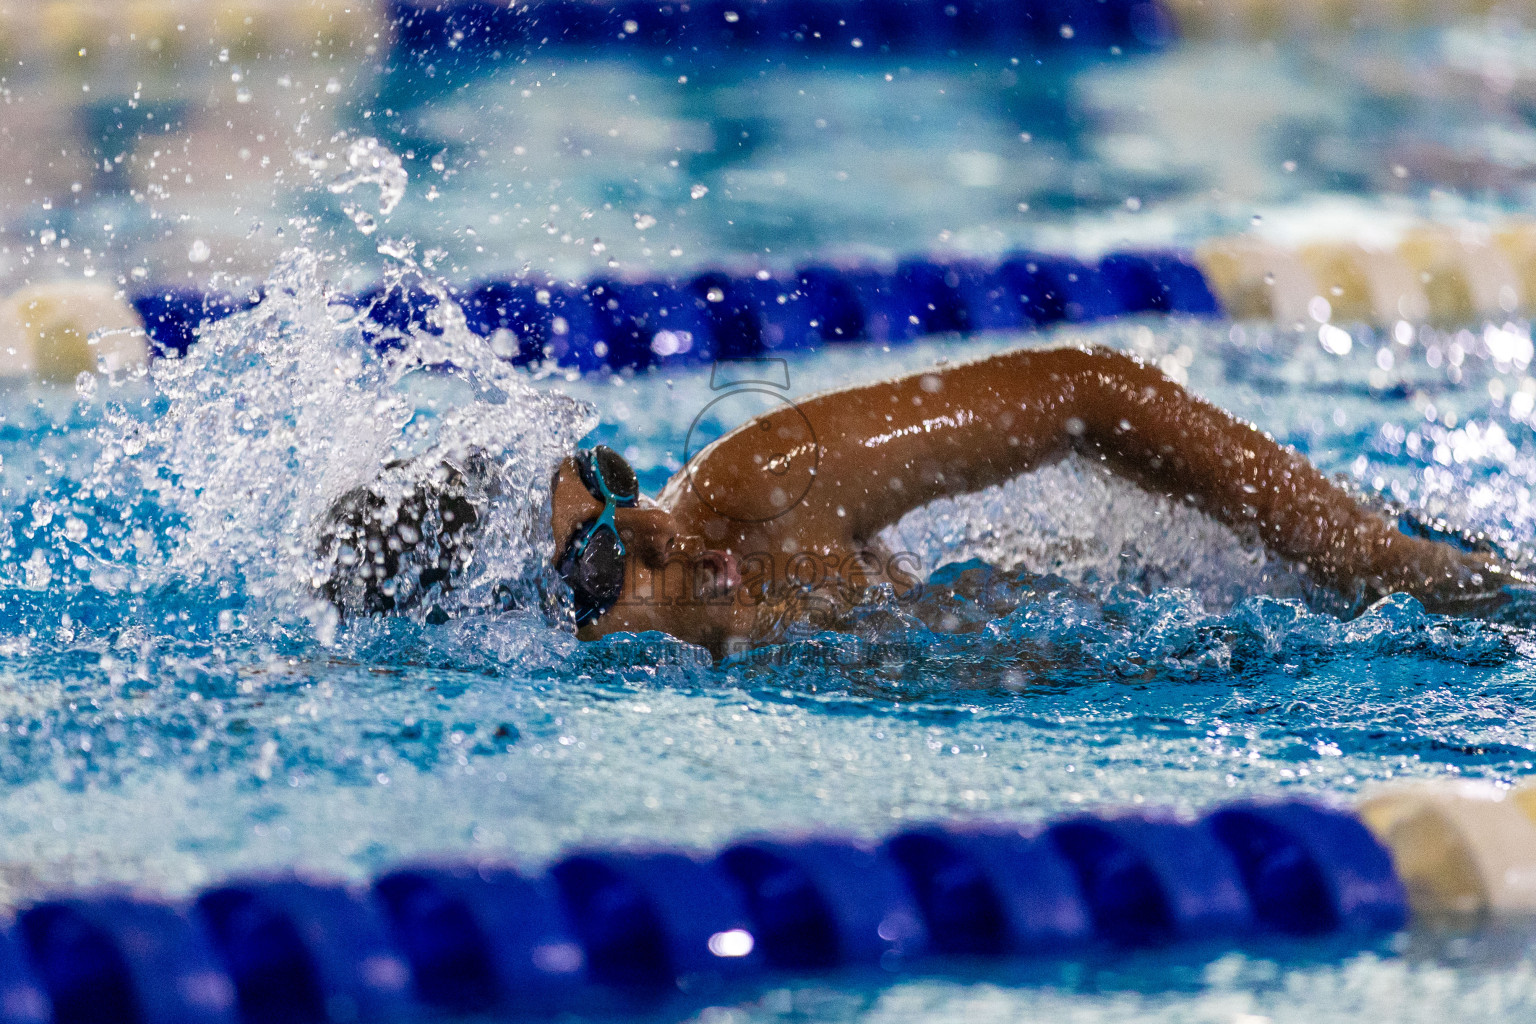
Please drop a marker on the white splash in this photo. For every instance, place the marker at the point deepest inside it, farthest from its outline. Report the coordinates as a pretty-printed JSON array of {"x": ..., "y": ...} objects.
[
  {"x": 279, "y": 410},
  {"x": 1081, "y": 522},
  {"x": 368, "y": 162}
]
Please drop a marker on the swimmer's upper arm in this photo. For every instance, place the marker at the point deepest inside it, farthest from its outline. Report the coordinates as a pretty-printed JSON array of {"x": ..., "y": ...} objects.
[{"x": 890, "y": 447}]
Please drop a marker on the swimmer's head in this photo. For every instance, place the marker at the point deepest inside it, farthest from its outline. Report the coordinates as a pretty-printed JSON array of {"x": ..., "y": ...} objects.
[
  {"x": 462, "y": 526},
  {"x": 599, "y": 519}
]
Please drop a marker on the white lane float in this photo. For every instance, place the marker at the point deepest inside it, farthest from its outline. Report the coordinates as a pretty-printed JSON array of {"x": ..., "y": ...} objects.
[{"x": 55, "y": 331}]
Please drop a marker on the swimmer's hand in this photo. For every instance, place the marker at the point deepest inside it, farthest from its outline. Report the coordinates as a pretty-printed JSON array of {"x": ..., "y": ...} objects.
[{"x": 1446, "y": 579}]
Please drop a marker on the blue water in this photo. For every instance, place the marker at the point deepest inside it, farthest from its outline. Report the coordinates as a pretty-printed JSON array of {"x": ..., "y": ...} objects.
[{"x": 178, "y": 707}]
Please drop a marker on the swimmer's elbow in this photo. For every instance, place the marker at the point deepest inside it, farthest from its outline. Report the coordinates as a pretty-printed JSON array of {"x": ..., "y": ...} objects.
[{"x": 1123, "y": 367}]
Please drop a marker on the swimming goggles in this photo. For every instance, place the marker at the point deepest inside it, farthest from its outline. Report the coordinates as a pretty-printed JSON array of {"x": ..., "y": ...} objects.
[{"x": 593, "y": 563}]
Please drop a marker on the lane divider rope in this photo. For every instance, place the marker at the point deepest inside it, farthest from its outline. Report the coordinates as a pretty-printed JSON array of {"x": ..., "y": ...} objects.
[
  {"x": 1432, "y": 274},
  {"x": 469, "y": 32},
  {"x": 466, "y": 33},
  {"x": 449, "y": 34},
  {"x": 624, "y": 930},
  {"x": 619, "y": 324}
]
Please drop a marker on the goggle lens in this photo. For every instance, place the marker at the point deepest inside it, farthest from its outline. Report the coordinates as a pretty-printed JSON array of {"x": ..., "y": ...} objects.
[
  {"x": 604, "y": 470},
  {"x": 599, "y": 569},
  {"x": 593, "y": 563}
]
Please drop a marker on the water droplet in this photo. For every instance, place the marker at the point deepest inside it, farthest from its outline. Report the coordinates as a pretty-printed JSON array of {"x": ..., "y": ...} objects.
[
  {"x": 699, "y": 191},
  {"x": 199, "y": 252},
  {"x": 75, "y": 529},
  {"x": 371, "y": 163}
]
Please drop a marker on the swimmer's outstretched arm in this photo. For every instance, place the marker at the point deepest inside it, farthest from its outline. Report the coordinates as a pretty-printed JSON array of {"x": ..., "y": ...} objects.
[{"x": 903, "y": 443}]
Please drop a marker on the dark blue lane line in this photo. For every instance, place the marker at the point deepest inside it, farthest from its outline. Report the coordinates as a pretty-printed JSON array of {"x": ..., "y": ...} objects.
[
  {"x": 637, "y": 931},
  {"x": 636, "y": 325},
  {"x": 463, "y": 32}
]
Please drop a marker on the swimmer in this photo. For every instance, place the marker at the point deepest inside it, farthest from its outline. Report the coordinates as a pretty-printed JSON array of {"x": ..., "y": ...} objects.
[{"x": 796, "y": 497}]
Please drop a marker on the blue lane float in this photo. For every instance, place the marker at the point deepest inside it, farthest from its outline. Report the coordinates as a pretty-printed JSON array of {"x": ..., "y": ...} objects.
[
  {"x": 609, "y": 323},
  {"x": 484, "y": 939},
  {"x": 450, "y": 33},
  {"x": 620, "y": 931},
  {"x": 1310, "y": 872},
  {"x": 824, "y": 903},
  {"x": 296, "y": 950},
  {"x": 648, "y": 922},
  {"x": 992, "y": 890},
  {"x": 119, "y": 960},
  {"x": 1148, "y": 881}
]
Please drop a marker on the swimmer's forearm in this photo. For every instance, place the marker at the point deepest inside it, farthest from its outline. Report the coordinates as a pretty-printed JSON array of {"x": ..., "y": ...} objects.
[{"x": 1153, "y": 429}]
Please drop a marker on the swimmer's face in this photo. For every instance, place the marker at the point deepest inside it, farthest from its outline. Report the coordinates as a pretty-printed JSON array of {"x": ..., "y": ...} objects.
[{"x": 647, "y": 531}]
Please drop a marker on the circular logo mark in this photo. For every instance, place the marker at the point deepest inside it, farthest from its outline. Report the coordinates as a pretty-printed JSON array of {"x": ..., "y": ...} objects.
[{"x": 780, "y": 469}]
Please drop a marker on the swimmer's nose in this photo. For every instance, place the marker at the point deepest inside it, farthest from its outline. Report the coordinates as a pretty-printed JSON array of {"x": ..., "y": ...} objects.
[
  {"x": 653, "y": 536},
  {"x": 650, "y": 533}
]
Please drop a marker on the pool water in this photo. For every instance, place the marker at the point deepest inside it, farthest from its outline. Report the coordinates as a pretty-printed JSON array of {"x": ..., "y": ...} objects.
[{"x": 179, "y": 707}]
